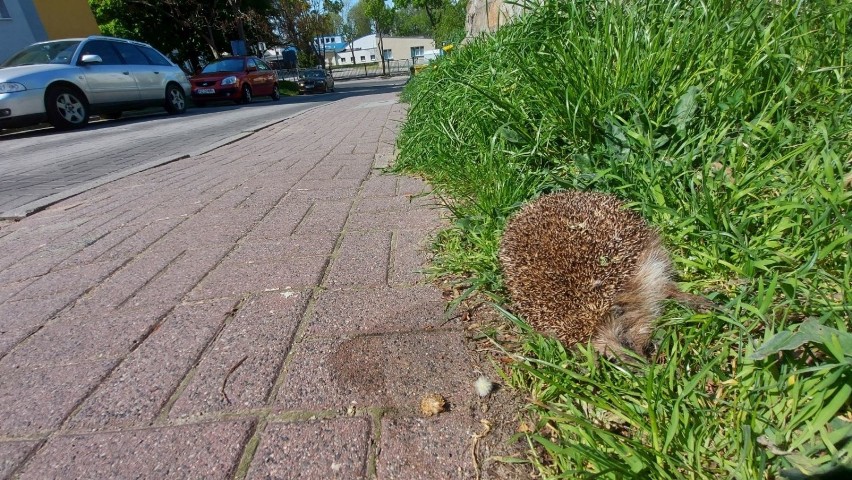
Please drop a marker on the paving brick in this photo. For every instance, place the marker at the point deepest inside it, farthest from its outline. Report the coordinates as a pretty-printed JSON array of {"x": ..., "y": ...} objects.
[
  {"x": 12, "y": 454},
  {"x": 322, "y": 171},
  {"x": 286, "y": 247},
  {"x": 34, "y": 265},
  {"x": 81, "y": 335},
  {"x": 413, "y": 186},
  {"x": 141, "y": 239},
  {"x": 390, "y": 370},
  {"x": 96, "y": 246},
  {"x": 75, "y": 280},
  {"x": 327, "y": 449},
  {"x": 137, "y": 389},
  {"x": 19, "y": 320},
  {"x": 246, "y": 357},
  {"x": 355, "y": 171},
  {"x": 380, "y": 186},
  {"x": 35, "y": 399},
  {"x": 339, "y": 312},
  {"x": 311, "y": 196},
  {"x": 325, "y": 217},
  {"x": 422, "y": 219},
  {"x": 280, "y": 222},
  {"x": 9, "y": 290},
  {"x": 331, "y": 185},
  {"x": 372, "y": 205},
  {"x": 208, "y": 451},
  {"x": 409, "y": 258},
  {"x": 362, "y": 261},
  {"x": 238, "y": 278},
  {"x": 425, "y": 448},
  {"x": 179, "y": 277}
]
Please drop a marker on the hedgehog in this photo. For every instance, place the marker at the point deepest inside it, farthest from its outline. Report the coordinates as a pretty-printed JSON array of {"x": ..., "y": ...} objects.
[{"x": 580, "y": 266}]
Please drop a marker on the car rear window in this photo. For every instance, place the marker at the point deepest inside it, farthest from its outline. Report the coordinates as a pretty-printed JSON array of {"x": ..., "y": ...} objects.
[{"x": 227, "y": 65}]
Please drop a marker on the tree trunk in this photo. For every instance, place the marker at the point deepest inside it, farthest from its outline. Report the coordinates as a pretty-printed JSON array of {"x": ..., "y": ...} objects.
[{"x": 381, "y": 50}]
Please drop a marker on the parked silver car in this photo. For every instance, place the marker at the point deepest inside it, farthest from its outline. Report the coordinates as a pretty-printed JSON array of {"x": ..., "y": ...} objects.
[{"x": 64, "y": 81}]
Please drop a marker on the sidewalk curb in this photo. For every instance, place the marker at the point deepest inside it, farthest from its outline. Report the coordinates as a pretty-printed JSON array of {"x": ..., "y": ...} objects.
[{"x": 35, "y": 206}]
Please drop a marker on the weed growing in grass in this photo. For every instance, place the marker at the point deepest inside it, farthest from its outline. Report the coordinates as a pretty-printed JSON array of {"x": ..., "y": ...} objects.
[{"x": 728, "y": 125}]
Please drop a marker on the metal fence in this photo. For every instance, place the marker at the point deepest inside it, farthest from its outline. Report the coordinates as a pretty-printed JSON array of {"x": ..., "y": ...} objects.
[{"x": 365, "y": 70}]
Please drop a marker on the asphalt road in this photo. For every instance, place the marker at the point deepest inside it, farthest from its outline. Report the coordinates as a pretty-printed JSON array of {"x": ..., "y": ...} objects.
[{"x": 42, "y": 166}]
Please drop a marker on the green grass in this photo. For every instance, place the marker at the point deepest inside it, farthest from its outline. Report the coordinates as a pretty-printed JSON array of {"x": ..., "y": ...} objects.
[{"x": 728, "y": 125}]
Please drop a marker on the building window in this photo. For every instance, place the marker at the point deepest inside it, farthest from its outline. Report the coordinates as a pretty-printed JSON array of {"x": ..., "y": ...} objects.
[
  {"x": 416, "y": 52},
  {"x": 362, "y": 58},
  {"x": 4, "y": 12},
  {"x": 372, "y": 57},
  {"x": 388, "y": 54}
]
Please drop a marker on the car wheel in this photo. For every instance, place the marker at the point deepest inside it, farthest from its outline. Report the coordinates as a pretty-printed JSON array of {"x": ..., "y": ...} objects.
[
  {"x": 66, "y": 108},
  {"x": 246, "y": 98},
  {"x": 276, "y": 95},
  {"x": 175, "y": 99}
]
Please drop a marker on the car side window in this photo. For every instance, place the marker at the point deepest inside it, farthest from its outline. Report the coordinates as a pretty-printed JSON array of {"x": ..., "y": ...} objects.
[
  {"x": 261, "y": 65},
  {"x": 103, "y": 49},
  {"x": 250, "y": 63},
  {"x": 130, "y": 54},
  {"x": 154, "y": 56}
]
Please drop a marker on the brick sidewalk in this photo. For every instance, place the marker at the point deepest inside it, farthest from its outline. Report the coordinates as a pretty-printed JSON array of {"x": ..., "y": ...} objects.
[{"x": 255, "y": 312}]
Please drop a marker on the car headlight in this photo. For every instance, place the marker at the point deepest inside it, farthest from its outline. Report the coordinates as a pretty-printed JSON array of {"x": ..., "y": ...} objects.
[
  {"x": 229, "y": 80},
  {"x": 9, "y": 87}
]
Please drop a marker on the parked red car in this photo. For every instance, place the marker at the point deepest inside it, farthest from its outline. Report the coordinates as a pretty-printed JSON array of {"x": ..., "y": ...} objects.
[{"x": 234, "y": 78}]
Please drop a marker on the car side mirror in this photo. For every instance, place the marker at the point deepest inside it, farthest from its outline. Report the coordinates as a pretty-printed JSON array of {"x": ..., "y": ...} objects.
[{"x": 89, "y": 59}]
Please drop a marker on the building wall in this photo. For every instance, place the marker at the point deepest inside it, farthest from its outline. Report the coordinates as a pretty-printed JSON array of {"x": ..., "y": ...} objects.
[
  {"x": 66, "y": 18},
  {"x": 367, "y": 46},
  {"x": 400, "y": 47},
  {"x": 38, "y": 20}
]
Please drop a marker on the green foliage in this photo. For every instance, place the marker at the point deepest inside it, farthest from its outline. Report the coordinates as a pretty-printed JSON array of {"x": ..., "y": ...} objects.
[
  {"x": 728, "y": 125},
  {"x": 359, "y": 20},
  {"x": 411, "y": 22},
  {"x": 450, "y": 29},
  {"x": 185, "y": 29}
]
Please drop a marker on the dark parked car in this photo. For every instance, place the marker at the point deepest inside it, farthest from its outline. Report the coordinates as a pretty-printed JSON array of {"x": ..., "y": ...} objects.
[
  {"x": 315, "y": 81},
  {"x": 64, "y": 81},
  {"x": 235, "y": 78}
]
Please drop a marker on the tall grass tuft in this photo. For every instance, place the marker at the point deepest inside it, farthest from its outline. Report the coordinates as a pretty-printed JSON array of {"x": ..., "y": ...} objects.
[{"x": 728, "y": 125}]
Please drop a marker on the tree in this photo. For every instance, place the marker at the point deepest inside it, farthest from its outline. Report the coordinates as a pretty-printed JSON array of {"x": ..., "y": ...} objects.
[
  {"x": 358, "y": 18},
  {"x": 411, "y": 22},
  {"x": 347, "y": 30},
  {"x": 433, "y": 8},
  {"x": 187, "y": 30},
  {"x": 300, "y": 23},
  {"x": 451, "y": 27},
  {"x": 382, "y": 18}
]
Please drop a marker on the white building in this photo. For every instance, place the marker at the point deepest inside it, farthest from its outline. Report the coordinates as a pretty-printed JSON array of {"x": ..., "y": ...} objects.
[{"x": 366, "y": 49}]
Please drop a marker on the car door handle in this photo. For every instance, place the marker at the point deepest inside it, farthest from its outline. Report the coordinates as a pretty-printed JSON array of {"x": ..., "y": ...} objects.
[
  {"x": 126, "y": 73},
  {"x": 156, "y": 73}
]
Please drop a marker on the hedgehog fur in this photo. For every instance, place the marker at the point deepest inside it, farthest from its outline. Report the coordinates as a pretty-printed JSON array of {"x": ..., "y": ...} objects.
[{"x": 580, "y": 266}]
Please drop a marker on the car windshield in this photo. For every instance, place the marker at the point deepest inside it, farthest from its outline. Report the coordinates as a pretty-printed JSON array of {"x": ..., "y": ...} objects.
[
  {"x": 227, "y": 65},
  {"x": 41, "y": 53},
  {"x": 314, "y": 74}
]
